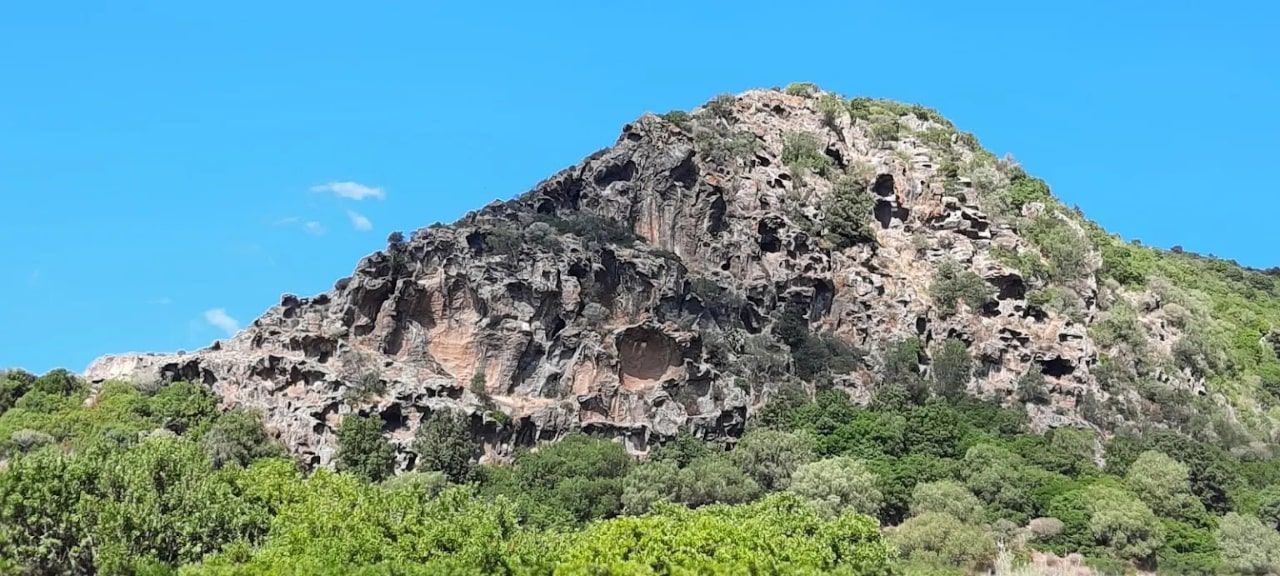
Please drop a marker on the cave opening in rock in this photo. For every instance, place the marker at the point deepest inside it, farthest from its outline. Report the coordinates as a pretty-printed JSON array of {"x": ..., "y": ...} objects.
[
  {"x": 1057, "y": 367},
  {"x": 884, "y": 186},
  {"x": 769, "y": 240},
  {"x": 393, "y": 418},
  {"x": 884, "y": 213},
  {"x": 1010, "y": 287}
]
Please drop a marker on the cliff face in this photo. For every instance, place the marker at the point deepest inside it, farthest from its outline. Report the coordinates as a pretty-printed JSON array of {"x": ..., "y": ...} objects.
[{"x": 667, "y": 282}]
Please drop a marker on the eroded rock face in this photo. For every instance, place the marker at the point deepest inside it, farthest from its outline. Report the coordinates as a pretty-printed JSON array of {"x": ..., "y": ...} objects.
[{"x": 503, "y": 312}]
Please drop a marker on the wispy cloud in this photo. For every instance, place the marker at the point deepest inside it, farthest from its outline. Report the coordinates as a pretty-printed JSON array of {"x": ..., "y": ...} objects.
[
  {"x": 218, "y": 318},
  {"x": 163, "y": 301},
  {"x": 36, "y": 276},
  {"x": 313, "y": 227},
  {"x": 350, "y": 190},
  {"x": 288, "y": 221},
  {"x": 359, "y": 221}
]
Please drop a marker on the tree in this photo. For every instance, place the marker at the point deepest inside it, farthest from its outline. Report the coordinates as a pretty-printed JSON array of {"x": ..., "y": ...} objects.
[
  {"x": 237, "y": 437},
  {"x": 902, "y": 372},
  {"x": 939, "y": 539},
  {"x": 998, "y": 477},
  {"x": 952, "y": 369},
  {"x": 649, "y": 484},
  {"x": 183, "y": 406},
  {"x": 1124, "y": 525},
  {"x": 444, "y": 443},
  {"x": 714, "y": 480},
  {"x": 848, "y": 213},
  {"x": 952, "y": 284},
  {"x": 949, "y": 497},
  {"x": 780, "y": 534},
  {"x": 1107, "y": 517},
  {"x": 577, "y": 479},
  {"x": 838, "y": 485},
  {"x": 1248, "y": 546},
  {"x": 58, "y": 382},
  {"x": 161, "y": 500},
  {"x": 1163, "y": 484},
  {"x": 772, "y": 456},
  {"x": 40, "y": 524},
  {"x": 362, "y": 450},
  {"x": 1269, "y": 505}
]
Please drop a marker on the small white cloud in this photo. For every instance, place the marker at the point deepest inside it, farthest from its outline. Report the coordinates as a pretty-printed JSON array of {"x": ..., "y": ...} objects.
[
  {"x": 218, "y": 318},
  {"x": 359, "y": 221},
  {"x": 351, "y": 190},
  {"x": 313, "y": 227}
]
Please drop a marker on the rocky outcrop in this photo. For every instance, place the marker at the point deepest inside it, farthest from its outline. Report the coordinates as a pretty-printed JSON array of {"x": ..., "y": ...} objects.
[{"x": 637, "y": 294}]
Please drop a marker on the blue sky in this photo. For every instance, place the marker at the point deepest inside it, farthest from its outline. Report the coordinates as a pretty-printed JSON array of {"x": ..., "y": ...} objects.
[{"x": 167, "y": 169}]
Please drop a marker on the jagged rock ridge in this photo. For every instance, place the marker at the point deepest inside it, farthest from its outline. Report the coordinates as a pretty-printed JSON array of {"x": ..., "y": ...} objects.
[{"x": 641, "y": 292}]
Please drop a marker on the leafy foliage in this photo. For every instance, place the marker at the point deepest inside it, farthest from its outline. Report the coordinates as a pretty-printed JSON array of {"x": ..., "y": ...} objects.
[
  {"x": 444, "y": 444},
  {"x": 802, "y": 152},
  {"x": 952, "y": 285},
  {"x": 362, "y": 450}
]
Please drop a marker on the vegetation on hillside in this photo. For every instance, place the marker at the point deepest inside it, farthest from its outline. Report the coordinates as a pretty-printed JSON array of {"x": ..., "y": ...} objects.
[{"x": 922, "y": 479}]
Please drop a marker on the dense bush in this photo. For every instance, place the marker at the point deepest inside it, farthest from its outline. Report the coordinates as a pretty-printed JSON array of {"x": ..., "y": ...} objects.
[
  {"x": 1065, "y": 249},
  {"x": 1248, "y": 546},
  {"x": 593, "y": 229},
  {"x": 952, "y": 369},
  {"x": 444, "y": 444},
  {"x": 948, "y": 497},
  {"x": 838, "y": 485},
  {"x": 362, "y": 450},
  {"x": 953, "y": 284},
  {"x": 770, "y": 457},
  {"x": 937, "y": 539},
  {"x": 847, "y": 214},
  {"x": 802, "y": 152}
]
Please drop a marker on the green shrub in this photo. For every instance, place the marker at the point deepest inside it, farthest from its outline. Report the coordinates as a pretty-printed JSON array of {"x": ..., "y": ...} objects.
[
  {"x": 1248, "y": 546},
  {"x": 801, "y": 89},
  {"x": 444, "y": 444},
  {"x": 952, "y": 369},
  {"x": 183, "y": 406},
  {"x": 939, "y": 539},
  {"x": 948, "y": 497},
  {"x": 721, "y": 106},
  {"x": 1066, "y": 250},
  {"x": 648, "y": 484},
  {"x": 237, "y": 437},
  {"x": 714, "y": 480},
  {"x": 680, "y": 118},
  {"x": 884, "y": 131},
  {"x": 847, "y": 214},
  {"x": 362, "y": 450},
  {"x": 802, "y": 152},
  {"x": 770, "y": 457},
  {"x": 1032, "y": 388},
  {"x": 160, "y": 500},
  {"x": 1163, "y": 484},
  {"x": 593, "y": 229},
  {"x": 503, "y": 240},
  {"x": 777, "y": 535},
  {"x": 831, "y": 108},
  {"x": 838, "y": 485},
  {"x": 1024, "y": 190},
  {"x": 953, "y": 284}
]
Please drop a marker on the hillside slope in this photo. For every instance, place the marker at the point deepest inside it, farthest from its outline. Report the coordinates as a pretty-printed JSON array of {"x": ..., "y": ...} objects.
[{"x": 710, "y": 260}]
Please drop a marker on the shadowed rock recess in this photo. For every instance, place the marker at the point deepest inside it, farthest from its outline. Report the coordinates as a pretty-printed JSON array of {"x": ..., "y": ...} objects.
[{"x": 681, "y": 277}]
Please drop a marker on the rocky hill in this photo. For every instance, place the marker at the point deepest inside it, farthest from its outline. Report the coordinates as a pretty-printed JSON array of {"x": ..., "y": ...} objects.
[{"x": 761, "y": 244}]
